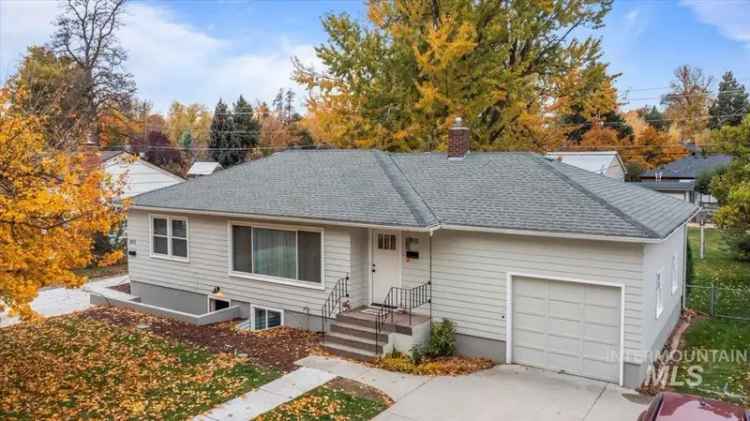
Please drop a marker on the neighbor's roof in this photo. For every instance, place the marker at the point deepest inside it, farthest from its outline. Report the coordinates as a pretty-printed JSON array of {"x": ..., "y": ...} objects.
[
  {"x": 596, "y": 162},
  {"x": 691, "y": 166},
  {"x": 513, "y": 191},
  {"x": 204, "y": 168},
  {"x": 669, "y": 185}
]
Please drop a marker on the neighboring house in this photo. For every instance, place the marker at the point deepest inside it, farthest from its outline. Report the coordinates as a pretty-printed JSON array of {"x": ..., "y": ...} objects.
[
  {"x": 678, "y": 177},
  {"x": 140, "y": 176},
  {"x": 537, "y": 262},
  {"x": 604, "y": 163},
  {"x": 201, "y": 168}
]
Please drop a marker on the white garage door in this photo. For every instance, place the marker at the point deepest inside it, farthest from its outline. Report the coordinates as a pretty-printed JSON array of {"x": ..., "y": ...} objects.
[{"x": 567, "y": 326}]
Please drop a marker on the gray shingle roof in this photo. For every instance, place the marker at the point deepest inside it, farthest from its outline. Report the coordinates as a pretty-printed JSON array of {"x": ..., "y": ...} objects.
[
  {"x": 668, "y": 185},
  {"x": 691, "y": 166},
  {"x": 519, "y": 191}
]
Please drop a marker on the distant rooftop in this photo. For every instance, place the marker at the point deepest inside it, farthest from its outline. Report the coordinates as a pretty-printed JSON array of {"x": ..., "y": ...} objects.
[
  {"x": 203, "y": 168},
  {"x": 596, "y": 161},
  {"x": 690, "y": 166}
]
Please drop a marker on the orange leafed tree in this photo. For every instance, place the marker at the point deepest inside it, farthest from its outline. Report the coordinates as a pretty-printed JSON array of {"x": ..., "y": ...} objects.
[{"x": 51, "y": 206}]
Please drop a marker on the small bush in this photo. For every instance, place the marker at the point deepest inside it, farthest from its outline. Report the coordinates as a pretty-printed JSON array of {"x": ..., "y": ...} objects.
[{"x": 442, "y": 343}]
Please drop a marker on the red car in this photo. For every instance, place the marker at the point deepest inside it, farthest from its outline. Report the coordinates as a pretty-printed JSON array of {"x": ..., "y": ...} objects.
[{"x": 668, "y": 406}]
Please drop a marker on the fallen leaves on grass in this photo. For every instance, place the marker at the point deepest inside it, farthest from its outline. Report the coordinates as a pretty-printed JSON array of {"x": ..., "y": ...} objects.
[
  {"x": 74, "y": 367},
  {"x": 276, "y": 348},
  {"x": 328, "y": 402},
  {"x": 442, "y": 366}
]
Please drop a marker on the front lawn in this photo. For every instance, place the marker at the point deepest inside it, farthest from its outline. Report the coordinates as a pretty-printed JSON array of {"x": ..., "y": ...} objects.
[
  {"x": 76, "y": 367},
  {"x": 725, "y": 375},
  {"x": 339, "y": 399}
]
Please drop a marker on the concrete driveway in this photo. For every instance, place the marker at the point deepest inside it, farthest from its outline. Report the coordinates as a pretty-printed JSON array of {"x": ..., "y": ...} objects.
[
  {"x": 506, "y": 392},
  {"x": 59, "y": 301}
]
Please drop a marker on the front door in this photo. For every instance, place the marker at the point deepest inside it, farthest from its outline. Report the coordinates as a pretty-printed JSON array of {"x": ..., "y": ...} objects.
[{"x": 386, "y": 268}]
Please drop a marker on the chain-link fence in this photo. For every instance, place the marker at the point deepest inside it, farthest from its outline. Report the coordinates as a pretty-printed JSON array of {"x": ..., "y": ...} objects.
[{"x": 730, "y": 303}]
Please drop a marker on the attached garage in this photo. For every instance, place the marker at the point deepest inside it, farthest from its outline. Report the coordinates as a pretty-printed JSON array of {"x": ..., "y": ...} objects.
[{"x": 566, "y": 326}]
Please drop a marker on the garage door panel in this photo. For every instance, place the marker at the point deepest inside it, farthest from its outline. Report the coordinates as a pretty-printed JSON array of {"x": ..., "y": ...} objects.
[
  {"x": 530, "y": 338},
  {"x": 528, "y": 356},
  {"x": 529, "y": 321},
  {"x": 562, "y": 292},
  {"x": 532, "y": 305},
  {"x": 568, "y": 363},
  {"x": 531, "y": 287},
  {"x": 562, "y": 344},
  {"x": 565, "y": 310},
  {"x": 566, "y": 326}
]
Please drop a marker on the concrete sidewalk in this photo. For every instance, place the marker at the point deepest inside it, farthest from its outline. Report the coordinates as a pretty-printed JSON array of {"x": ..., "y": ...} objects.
[
  {"x": 504, "y": 392},
  {"x": 59, "y": 301},
  {"x": 268, "y": 396}
]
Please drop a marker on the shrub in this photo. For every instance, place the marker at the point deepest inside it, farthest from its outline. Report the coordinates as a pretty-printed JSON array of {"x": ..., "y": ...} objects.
[{"x": 442, "y": 343}]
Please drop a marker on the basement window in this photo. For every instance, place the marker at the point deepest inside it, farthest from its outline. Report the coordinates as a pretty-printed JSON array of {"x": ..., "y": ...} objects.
[
  {"x": 265, "y": 318},
  {"x": 216, "y": 304}
]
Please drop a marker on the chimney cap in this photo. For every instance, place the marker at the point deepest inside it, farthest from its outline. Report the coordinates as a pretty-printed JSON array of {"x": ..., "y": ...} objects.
[{"x": 458, "y": 122}]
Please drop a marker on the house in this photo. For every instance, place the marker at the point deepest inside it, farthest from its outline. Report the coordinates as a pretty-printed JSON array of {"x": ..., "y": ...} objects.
[
  {"x": 201, "y": 168},
  {"x": 606, "y": 163},
  {"x": 140, "y": 176},
  {"x": 535, "y": 261},
  {"x": 678, "y": 177}
]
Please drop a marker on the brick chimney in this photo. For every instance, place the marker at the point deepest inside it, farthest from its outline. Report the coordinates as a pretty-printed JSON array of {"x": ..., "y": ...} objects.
[{"x": 458, "y": 140}]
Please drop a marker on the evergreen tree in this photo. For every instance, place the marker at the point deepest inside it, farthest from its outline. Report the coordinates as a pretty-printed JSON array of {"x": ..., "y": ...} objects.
[
  {"x": 220, "y": 139},
  {"x": 247, "y": 128},
  {"x": 186, "y": 142},
  {"x": 731, "y": 104},
  {"x": 654, "y": 118}
]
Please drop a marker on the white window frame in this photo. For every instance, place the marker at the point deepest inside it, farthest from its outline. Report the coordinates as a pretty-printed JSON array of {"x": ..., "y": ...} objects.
[
  {"x": 215, "y": 298},
  {"x": 267, "y": 309},
  {"x": 169, "y": 255},
  {"x": 675, "y": 278},
  {"x": 269, "y": 278},
  {"x": 659, "y": 295}
]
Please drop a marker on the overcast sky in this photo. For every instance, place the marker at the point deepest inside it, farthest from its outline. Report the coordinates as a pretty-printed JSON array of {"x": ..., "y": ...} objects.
[{"x": 198, "y": 51}]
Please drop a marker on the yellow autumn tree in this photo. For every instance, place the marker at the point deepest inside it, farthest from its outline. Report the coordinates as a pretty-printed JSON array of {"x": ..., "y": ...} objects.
[{"x": 51, "y": 206}]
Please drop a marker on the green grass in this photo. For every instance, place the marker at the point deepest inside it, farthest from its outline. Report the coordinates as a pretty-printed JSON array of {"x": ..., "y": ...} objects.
[
  {"x": 718, "y": 268},
  {"x": 724, "y": 378},
  {"x": 325, "y": 403}
]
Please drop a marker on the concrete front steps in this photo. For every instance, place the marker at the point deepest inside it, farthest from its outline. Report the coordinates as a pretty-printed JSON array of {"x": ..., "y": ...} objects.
[{"x": 352, "y": 334}]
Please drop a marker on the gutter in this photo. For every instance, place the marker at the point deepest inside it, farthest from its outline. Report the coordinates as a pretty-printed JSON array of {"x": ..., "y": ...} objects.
[{"x": 428, "y": 229}]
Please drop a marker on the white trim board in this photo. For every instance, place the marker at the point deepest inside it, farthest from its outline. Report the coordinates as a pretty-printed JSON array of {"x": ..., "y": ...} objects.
[{"x": 509, "y": 312}]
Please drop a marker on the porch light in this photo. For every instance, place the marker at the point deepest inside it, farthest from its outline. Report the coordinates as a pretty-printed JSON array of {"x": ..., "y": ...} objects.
[{"x": 217, "y": 292}]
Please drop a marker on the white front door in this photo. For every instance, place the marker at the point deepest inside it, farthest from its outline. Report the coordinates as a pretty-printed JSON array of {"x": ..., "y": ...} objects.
[{"x": 386, "y": 267}]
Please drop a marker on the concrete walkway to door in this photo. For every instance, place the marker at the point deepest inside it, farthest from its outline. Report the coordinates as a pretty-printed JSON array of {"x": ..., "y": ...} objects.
[{"x": 505, "y": 392}]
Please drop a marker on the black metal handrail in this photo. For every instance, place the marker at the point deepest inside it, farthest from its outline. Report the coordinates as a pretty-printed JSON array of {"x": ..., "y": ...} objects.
[
  {"x": 406, "y": 299},
  {"x": 334, "y": 302}
]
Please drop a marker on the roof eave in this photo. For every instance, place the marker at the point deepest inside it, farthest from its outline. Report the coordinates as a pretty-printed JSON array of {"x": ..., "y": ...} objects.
[
  {"x": 552, "y": 234},
  {"x": 322, "y": 221}
]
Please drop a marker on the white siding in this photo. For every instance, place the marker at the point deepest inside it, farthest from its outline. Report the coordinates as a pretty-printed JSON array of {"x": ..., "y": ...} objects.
[
  {"x": 658, "y": 257},
  {"x": 140, "y": 177},
  {"x": 616, "y": 170},
  {"x": 469, "y": 273},
  {"x": 209, "y": 263}
]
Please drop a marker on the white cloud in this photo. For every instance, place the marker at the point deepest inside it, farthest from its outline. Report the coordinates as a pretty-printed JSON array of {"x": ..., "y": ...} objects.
[
  {"x": 730, "y": 18},
  {"x": 22, "y": 23},
  {"x": 169, "y": 59}
]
